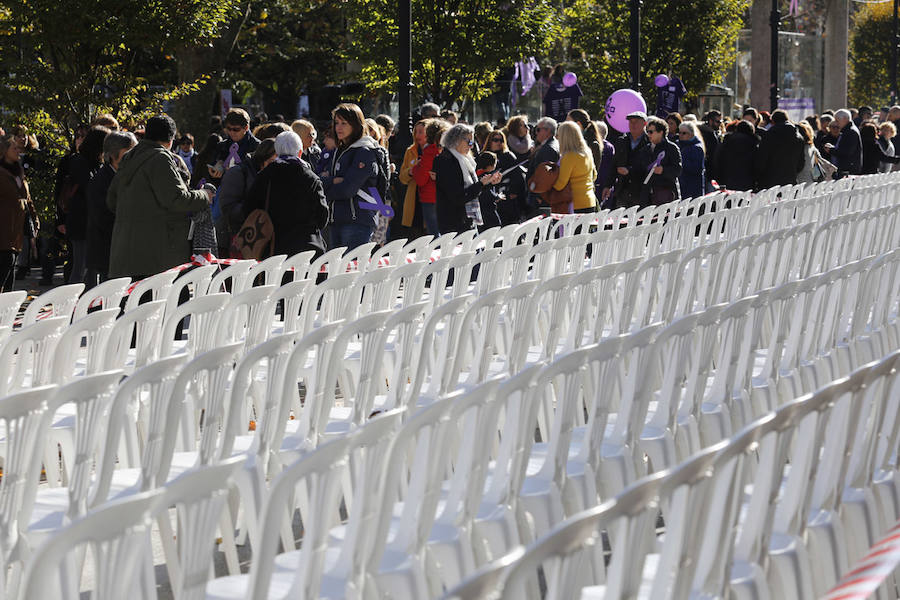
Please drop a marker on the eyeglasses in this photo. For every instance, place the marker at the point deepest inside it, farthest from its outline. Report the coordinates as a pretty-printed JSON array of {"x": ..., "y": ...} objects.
[
  {"x": 684, "y": 133},
  {"x": 235, "y": 128},
  {"x": 496, "y": 139}
]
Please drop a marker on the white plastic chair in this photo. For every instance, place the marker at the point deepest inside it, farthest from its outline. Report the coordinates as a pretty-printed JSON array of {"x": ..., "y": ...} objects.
[
  {"x": 408, "y": 283},
  {"x": 417, "y": 249},
  {"x": 119, "y": 539},
  {"x": 60, "y": 300},
  {"x": 291, "y": 296},
  {"x": 157, "y": 286},
  {"x": 248, "y": 316},
  {"x": 392, "y": 254},
  {"x": 238, "y": 275},
  {"x": 90, "y": 333},
  {"x": 203, "y": 317},
  {"x": 356, "y": 259},
  {"x": 298, "y": 264},
  {"x": 109, "y": 294},
  {"x": 328, "y": 264},
  {"x": 195, "y": 282},
  {"x": 143, "y": 323},
  {"x": 270, "y": 270},
  {"x": 329, "y": 301},
  {"x": 10, "y": 302},
  {"x": 26, "y": 357}
]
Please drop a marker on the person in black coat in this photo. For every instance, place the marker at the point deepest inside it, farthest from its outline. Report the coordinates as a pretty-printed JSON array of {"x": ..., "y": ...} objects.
[
  {"x": 512, "y": 186},
  {"x": 664, "y": 170},
  {"x": 736, "y": 156},
  {"x": 873, "y": 153},
  {"x": 846, "y": 153},
  {"x": 780, "y": 156},
  {"x": 545, "y": 150},
  {"x": 100, "y": 219},
  {"x": 455, "y": 180},
  {"x": 295, "y": 197},
  {"x": 629, "y": 181},
  {"x": 710, "y": 131},
  {"x": 82, "y": 168}
]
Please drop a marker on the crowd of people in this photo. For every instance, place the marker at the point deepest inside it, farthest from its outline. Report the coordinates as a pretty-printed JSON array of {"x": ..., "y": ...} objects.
[{"x": 133, "y": 203}]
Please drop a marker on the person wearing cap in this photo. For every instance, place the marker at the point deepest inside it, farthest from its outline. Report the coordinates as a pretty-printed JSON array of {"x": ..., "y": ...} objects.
[{"x": 629, "y": 179}]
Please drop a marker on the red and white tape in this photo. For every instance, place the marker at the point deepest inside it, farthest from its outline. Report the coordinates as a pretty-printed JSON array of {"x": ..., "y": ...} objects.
[{"x": 870, "y": 572}]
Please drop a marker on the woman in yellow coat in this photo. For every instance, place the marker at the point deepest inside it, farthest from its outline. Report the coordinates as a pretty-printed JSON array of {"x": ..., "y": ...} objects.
[
  {"x": 406, "y": 178},
  {"x": 576, "y": 167}
]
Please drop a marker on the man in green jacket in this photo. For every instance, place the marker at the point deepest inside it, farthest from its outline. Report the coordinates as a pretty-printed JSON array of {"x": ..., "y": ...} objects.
[{"x": 152, "y": 206}]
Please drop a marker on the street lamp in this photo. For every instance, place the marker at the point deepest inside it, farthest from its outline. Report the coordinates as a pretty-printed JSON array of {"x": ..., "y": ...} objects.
[
  {"x": 636, "y": 45},
  {"x": 774, "y": 21},
  {"x": 404, "y": 66}
]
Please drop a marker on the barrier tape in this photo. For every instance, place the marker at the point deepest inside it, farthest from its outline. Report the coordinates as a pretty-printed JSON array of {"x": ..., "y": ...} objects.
[{"x": 870, "y": 572}]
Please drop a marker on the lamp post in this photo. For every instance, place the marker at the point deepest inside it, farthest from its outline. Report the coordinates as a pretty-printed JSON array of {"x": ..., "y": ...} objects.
[
  {"x": 404, "y": 65},
  {"x": 636, "y": 45},
  {"x": 895, "y": 41},
  {"x": 774, "y": 21}
]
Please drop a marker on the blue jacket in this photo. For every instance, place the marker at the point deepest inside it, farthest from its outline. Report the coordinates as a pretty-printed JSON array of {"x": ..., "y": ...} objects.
[
  {"x": 693, "y": 170},
  {"x": 358, "y": 166}
]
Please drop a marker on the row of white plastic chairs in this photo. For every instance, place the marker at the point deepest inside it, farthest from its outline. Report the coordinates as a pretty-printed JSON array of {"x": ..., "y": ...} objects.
[
  {"x": 460, "y": 429},
  {"x": 777, "y": 510},
  {"x": 189, "y": 378}
]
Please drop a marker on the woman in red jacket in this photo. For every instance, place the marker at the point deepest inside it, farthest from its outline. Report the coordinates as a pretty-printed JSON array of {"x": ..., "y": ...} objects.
[{"x": 423, "y": 173}]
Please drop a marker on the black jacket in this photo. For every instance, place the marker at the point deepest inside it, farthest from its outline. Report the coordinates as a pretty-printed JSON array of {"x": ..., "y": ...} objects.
[
  {"x": 671, "y": 164},
  {"x": 452, "y": 193},
  {"x": 847, "y": 152},
  {"x": 873, "y": 154},
  {"x": 514, "y": 207},
  {"x": 100, "y": 220},
  {"x": 297, "y": 205},
  {"x": 711, "y": 144},
  {"x": 780, "y": 156},
  {"x": 628, "y": 187},
  {"x": 735, "y": 161},
  {"x": 81, "y": 171}
]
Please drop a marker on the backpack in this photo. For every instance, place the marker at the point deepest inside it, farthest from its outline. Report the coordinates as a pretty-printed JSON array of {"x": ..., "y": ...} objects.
[
  {"x": 256, "y": 237},
  {"x": 383, "y": 184}
]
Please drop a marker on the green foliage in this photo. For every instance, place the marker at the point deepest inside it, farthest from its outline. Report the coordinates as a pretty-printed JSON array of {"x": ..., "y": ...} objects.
[
  {"x": 693, "y": 40},
  {"x": 458, "y": 46},
  {"x": 285, "y": 47},
  {"x": 76, "y": 58},
  {"x": 870, "y": 55}
]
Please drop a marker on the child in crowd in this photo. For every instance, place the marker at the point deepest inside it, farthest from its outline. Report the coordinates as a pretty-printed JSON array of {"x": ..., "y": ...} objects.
[
  {"x": 186, "y": 151},
  {"x": 487, "y": 163}
]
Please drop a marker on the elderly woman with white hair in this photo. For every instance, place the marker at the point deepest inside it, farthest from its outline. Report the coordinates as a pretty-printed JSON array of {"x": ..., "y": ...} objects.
[
  {"x": 455, "y": 180},
  {"x": 294, "y": 198}
]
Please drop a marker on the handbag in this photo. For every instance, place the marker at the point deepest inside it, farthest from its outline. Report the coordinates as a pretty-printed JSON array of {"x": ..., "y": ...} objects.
[
  {"x": 256, "y": 237},
  {"x": 560, "y": 201},
  {"x": 824, "y": 168}
]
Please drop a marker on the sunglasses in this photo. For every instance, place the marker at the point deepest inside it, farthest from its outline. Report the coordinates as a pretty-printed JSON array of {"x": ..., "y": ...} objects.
[
  {"x": 496, "y": 139},
  {"x": 651, "y": 130},
  {"x": 684, "y": 133}
]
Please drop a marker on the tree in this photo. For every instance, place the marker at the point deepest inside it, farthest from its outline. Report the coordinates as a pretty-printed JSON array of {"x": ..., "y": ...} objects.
[
  {"x": 693, "y": 40},
  {"x": 73, "y": 59},
  {"x": 458, "y": 46},
  {"x": 870, "y": 55},
  {"x": 288, "y": 47}
]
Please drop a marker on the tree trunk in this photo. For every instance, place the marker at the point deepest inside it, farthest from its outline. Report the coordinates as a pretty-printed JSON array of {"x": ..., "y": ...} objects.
[{"x": 192, "y": 113}]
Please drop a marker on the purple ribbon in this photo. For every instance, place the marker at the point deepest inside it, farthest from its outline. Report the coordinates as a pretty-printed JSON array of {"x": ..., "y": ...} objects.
[
  {"x": 794, "y": 8},
  {"x": 374, "y": 202},
  {"x": 233, "y": 157}
]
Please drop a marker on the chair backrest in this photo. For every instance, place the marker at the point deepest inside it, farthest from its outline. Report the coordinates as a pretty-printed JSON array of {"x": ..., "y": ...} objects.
[
  {"x": 118, "y": 535},
  {"x": 143, "y": 324},
  {"x": 195, "y": 413},
  {"x": 91, "y": 332},
  {"x": 485, "y": 581},
  {"x": 418, "y": 248},
  {"x": 233, "y": 279},
  {"x": 404, "y": 324},
  {"x": 107, "y": 295},
  {"x": 298, "y": 265},
  {"x": 357, "y": 259},
  {"x": 320, "y": 471},
  {"x": 358, "y": 391},
  {"x": 268, "y": 270},
  {"x": 392, "y": 253},
  {"x": 25, "y": 419},
  {"x": 92, "y": 397},
  {"x": 248, "y": 316},
  {"x": 478, "y": 341},
  {"x": 292, "y": 295},
  {"x": 440, "y": 339},
  {"x": 203, "y": 326},
  {"x": 329, "y": 301},
  {"x": 139, "y": 405},
  {"x": 695, "y": 280},
  {"x": 373, "y": 291},
  {"x": 408, "y": 283},
  {"x": 60, "y": 300},
  {"x": 157, "y": 286},
  {"x": 9, "y": 307},
  {"x": 328, "y": 264},
  {"x": 199, "y": 497},
  {"x": 26, "y": 357},
  {"x": 194, "y": 282}
]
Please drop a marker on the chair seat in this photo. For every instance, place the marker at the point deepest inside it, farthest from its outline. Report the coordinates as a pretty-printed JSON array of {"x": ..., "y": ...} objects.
[{"x": 651, "y": 564}]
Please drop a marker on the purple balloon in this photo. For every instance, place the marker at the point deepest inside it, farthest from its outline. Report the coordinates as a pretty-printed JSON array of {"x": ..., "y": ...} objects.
[
  {"x": 620, "y": 104},
  {"x": 570, "y": 79},
  {"x": 661, "y": 80}
]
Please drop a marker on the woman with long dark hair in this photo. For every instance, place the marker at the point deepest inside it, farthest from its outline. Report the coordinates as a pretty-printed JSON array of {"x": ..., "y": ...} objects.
[
  {"x": 14, "y": 201},
  {"x": 354, "y": 167},
  {"x": 82, "y": 169}
]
